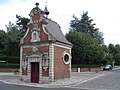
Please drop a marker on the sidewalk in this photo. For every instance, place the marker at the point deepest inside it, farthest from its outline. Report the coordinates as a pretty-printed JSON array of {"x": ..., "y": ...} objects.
[{"x": 76, "y": 78}]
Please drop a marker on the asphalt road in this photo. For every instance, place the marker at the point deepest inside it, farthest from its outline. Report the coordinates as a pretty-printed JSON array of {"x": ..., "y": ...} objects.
[
  {"x": 110, "y": 81},
  {"x": 4, "y": 86}
]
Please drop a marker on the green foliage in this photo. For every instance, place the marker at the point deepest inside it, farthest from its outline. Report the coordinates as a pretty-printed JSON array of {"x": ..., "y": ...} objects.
[
  {"x": 9, "y": 46},
  {"x": 9, "y": 65},
  {"x": 111, "y": 54},
  {"x": 85, "y": 25},
  {"x": 9, "y": 59},
  {"x": 9, "y": 62},
  {"x": 109, "y": 59},
  {"x": 117, "y": 59},
  {"x": 87, "y": 41},
  {"x": 12, "y": 40},
  {"x": 22, "y": 23},
  {"x": 86, "y": 49},
  {"x": 9, "y": 42},
  {"x": 2, "y": 41}
]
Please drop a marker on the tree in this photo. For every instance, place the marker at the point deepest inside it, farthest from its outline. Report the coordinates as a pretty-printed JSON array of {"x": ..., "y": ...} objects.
[
  {"x": 87, "y": 41},
  {"x": 109, "y": 59},
  {"x": 111, "y": 49},
  {"x": 85, "y": 25},
  {"x": 117, "y": 54},
  {"x": 12, "y": 40},
  {"x": 2, "y": 42},
  {"x": 86, "y": 49},
  {"x": 22, "y": 23},
  {"x": 114, "y": 51}
]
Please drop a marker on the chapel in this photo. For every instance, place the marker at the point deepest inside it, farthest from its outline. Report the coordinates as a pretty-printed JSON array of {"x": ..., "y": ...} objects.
[{"x": 45, "y": 53}]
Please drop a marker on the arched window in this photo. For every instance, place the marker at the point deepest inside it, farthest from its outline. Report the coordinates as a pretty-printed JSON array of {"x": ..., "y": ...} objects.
[{"x": 34, "y": 36}]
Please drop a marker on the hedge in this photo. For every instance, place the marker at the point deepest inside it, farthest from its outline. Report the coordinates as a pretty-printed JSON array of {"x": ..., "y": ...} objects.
[
  {"x": 10, "y": 59},
  {"x": 9, "y": 65}
]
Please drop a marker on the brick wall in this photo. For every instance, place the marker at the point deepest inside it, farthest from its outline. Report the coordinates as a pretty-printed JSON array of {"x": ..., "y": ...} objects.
[
  {"x": 61, "y": 70},
  {"x": 87, "y": 69}
]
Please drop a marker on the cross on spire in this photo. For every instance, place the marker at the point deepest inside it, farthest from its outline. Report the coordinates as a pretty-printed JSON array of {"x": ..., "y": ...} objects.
[{"x": 46, "y": 3}]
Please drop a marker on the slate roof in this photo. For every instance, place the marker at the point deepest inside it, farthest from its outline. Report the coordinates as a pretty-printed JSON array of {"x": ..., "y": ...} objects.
[{"x": 54, "y": 29}]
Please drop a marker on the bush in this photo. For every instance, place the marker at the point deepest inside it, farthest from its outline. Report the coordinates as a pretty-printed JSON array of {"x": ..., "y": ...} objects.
[
  {"x": 9, "y": 62},
  {"x": 10, "y": 59},
  {"x": 15, "y": 60},
  {"x": 9, "y": 65},
  {"x": 3, "y": 58}
]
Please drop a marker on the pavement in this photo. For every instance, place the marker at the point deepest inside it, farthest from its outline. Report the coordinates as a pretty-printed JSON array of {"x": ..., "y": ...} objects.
[{"x": 75, "y": 79}]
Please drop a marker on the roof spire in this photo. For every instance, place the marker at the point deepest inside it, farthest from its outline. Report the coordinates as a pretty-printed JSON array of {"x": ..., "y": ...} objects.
[
  {"x": 37, "y": 4},
  {"x": 46, "y": 10},
  {"x": 46, "y": 3}
]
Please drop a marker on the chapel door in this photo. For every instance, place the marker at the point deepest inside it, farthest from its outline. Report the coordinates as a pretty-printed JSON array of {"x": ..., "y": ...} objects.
[{"x": 35, "y": 72}]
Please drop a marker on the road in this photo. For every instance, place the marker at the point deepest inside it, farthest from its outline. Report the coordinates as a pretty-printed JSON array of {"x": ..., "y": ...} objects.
[
  {"x": 4, "y": 86},
  {"x": 110, "y": 81}
]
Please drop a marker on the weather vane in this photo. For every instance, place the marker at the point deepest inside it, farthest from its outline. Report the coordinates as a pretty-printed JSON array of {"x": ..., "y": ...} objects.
[{"x": 46, "y": 3}]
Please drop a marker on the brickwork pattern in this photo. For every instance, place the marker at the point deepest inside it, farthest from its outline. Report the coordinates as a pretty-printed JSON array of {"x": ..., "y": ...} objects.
[{"x": 61, "y": 69}]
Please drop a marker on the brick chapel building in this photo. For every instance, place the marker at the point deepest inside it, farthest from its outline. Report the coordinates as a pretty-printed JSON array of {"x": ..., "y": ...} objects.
[{"x": 45, "y": 53}]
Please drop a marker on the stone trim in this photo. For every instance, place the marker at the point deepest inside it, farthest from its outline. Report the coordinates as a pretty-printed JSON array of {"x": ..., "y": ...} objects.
[
  {"x": 51, "y": 62},
  {"x": 37, "y": 59},
  {"x": 70, "y": 61},
  {"x": 62, "y": 46},
  {"x": 37, "y": 43},
  {"x": 30, "y": 46},
  {"x": 36, "y": 39},
  {"x": 66, "y": 53},
  {"x": 22, "y": 40},
  {"x": 21, "y": 62}
]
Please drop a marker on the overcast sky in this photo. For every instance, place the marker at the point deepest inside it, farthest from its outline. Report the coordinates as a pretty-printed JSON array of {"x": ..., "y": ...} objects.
[{"x": 106, "y": 14}]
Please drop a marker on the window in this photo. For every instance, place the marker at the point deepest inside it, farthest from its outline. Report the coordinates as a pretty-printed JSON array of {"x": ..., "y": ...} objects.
[
  {"x": 66, "y": 58},
  {"x": 34, "y": 36},
  {"x": 35, "y": 33}
]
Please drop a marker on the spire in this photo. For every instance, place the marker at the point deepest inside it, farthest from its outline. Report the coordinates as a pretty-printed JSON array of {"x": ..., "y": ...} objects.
[
  {"x": 46, "y": 10},
  {"x": 37, "y": 4}
]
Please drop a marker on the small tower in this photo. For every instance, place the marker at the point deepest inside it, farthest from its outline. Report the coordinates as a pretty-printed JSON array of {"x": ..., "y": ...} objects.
[{"x": 46, "y": 12}]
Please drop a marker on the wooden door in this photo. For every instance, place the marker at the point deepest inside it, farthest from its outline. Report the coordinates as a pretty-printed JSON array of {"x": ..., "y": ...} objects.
[{"x": 35, "y": 72}]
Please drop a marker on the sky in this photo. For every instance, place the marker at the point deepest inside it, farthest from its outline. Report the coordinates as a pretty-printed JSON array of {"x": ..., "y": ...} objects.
[{"x": 106, "y": 14}]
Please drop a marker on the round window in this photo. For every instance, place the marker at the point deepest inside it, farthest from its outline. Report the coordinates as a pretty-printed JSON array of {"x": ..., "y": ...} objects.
[{"x": 66, "y": 58}]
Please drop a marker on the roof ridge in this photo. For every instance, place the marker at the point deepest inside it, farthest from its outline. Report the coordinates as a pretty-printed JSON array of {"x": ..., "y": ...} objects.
[{"x": 53, "y": 21}]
